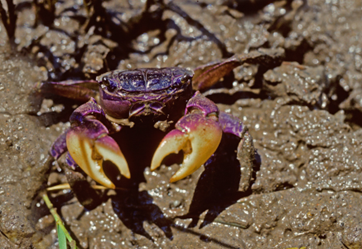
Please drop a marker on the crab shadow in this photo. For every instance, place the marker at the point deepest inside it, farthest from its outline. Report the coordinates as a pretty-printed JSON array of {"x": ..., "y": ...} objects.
[
  {"x": 133, "y": 207},
  {"x": 218, "y": 186},
  {"x": 137, "y": 208}
]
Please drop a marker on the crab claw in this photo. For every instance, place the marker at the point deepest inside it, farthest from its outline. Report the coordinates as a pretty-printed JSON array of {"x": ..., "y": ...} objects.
[
  {"x": 198, "y": 136},
  {"x": 89, "y": 145}
]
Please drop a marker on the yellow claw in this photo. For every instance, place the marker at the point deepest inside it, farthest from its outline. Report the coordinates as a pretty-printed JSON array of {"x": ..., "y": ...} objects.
[
  {"x": 199, "y": 139},
  {"x": 90, "y": 153}
]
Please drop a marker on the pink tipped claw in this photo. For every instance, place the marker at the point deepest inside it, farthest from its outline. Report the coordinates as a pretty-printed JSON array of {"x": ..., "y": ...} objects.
[
  {"x": 89, "y": 153},
  {"x": 198, "y": 136}
]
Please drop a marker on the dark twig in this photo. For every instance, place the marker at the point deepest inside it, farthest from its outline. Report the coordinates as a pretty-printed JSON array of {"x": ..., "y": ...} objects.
[
  {"x": 175, "y": 8},
  {"x": 45, "y": 12},
  {"x": 9, "y": 19}
]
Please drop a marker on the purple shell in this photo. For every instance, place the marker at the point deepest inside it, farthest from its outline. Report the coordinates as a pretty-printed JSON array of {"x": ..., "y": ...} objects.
[
  {"x": 143, "y": 91},
  {"x": 145, "y": 79}
]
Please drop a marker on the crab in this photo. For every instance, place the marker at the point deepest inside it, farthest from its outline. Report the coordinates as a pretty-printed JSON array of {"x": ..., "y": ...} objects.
[{"x": 122, "y": 98}]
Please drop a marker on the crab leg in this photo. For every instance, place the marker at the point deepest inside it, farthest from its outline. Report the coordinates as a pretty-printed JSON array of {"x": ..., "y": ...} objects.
[
  {"x": 207, "y": 75},
  {"x": 245, "y": 150},
  {"x": 198, "y": 134},
  {"x": 81, "y": 90},
  {"x": 89, "y": 145}
]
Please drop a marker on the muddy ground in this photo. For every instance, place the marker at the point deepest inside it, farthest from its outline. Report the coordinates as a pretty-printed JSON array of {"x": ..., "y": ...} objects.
[{"x": 303, "y": 109}]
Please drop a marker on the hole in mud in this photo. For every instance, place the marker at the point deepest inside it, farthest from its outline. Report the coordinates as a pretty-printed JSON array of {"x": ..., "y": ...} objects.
[
  {"x": 298, "y": 53},
  {"x": 283, "y": 186},
  {"x": 228, "y": 99},
  {"x": 354, "y": 119},
  {"x": 341, "y": 94},
  {"x": 248, "y": 8},
  {"x": 205, "y": 238},
  {"x": 288, "y": 232}
]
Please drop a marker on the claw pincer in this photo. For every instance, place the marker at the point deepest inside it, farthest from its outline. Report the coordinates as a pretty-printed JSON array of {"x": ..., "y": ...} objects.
[
  {"x": 89, "y": 145},
  {"x": 198, "y": 134}
]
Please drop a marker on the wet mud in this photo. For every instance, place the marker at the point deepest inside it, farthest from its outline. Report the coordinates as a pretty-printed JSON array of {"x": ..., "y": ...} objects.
[{"x": 302, "y": 105}]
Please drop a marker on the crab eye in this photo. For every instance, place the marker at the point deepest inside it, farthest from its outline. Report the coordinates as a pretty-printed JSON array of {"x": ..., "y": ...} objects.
[
  {"x": 185, "y": 78},
  {"x": 109, "y": 84}
]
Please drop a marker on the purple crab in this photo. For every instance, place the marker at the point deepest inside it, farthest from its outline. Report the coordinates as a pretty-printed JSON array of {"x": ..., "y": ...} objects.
[{"x": 126, "y": 97}]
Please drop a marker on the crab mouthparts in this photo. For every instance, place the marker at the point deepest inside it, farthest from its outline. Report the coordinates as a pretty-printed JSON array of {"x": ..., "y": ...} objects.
[{"x": 146, "y": 108}]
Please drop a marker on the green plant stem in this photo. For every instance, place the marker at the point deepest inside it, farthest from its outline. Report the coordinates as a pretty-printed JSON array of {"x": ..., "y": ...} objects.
[{"x": 58, "y": 220}]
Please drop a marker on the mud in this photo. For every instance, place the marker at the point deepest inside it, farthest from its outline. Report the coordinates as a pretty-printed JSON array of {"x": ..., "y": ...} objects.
[{"x": 302, "y": 109}]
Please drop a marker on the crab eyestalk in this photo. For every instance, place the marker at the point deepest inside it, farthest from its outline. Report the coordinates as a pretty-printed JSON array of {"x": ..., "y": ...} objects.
[
  {"x": 89, "y": 145},
  {"x": 198, "y": 136}
]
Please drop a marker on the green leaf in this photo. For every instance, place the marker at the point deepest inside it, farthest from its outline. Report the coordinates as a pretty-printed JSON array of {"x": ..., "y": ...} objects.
[{"x": 61, "y": 238}]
